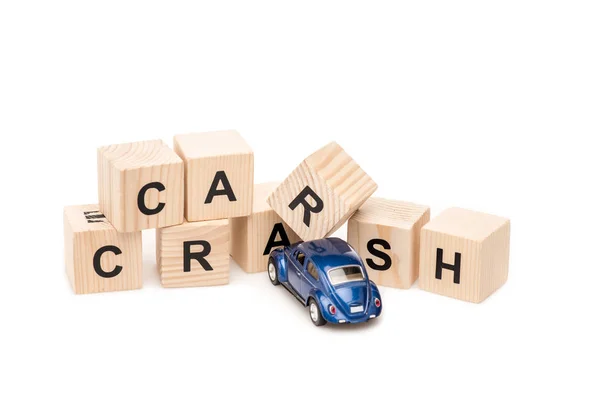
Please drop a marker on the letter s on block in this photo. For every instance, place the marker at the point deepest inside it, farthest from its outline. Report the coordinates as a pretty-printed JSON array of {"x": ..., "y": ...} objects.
[
  {"x": 301, "y": 199},
  {"x": 387, "y": 261}
]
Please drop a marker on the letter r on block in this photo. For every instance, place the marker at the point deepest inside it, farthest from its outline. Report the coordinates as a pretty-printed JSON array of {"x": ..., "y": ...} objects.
[{"x": 308, "y": 208}]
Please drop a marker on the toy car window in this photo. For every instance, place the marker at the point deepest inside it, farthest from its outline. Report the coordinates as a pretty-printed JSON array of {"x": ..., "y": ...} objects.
[
  {"x": 312, "y": 270},
  {"x": 300, "y": 257},
  {"x": 345, "y": 274}
]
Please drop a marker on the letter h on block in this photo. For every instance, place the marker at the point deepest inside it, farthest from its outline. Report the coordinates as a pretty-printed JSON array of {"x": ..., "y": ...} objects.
[
  {"x": 439, "y": 265},
  {"x": 464, "y": 254},
  {"x": 322, "y": 193}
]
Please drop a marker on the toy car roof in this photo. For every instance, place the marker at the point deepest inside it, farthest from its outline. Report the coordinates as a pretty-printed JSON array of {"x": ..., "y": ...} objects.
[{"x": 329, "y": 253}]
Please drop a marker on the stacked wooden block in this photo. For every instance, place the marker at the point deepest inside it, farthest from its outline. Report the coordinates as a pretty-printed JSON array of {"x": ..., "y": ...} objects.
[
  {"x": 202, "y": 201},
  {"x": 460, "y": 253},
  {"x": 187, "y": 195}
]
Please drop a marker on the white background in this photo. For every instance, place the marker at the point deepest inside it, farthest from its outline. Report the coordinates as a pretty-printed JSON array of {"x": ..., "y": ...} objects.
[{"x": 489, "y": 105}]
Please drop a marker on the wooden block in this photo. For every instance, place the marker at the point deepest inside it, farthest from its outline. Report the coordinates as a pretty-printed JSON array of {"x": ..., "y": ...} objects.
[
  {"x": 97, "y": 257},
  {"x": 253, "y": 237},
  {"x": 386, "y": 234},
  {"x": 464, "y": 254},
  {"x": 193, "y": 254},
  {"x": 322, "y": 193},
  {"x": 219, "y": 175},
  {"x": 140, "y": 185}
]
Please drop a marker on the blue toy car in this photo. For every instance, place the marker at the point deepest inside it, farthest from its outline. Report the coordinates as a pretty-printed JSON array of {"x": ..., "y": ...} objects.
[{"x": 328, "y": 276}]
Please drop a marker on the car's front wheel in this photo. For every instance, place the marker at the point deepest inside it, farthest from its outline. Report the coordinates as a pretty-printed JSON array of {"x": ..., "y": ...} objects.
[
  {"x": 272, "y": 272},
  {"x": 315, "y": 313}
]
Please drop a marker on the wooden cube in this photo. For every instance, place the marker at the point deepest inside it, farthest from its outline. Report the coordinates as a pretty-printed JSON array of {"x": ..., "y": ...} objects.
[
  {"x": 322, "y": 193},
  {"x": 140, "y": 185},
  {"x": 193, "y": 254},
  {"x": 253, "y": 237},
  {"x": 97, "y": 257},
  {"x": 464, "y": 254},
  {"x": 386, "y": 235},
  {"x": 219, "y": 175}
]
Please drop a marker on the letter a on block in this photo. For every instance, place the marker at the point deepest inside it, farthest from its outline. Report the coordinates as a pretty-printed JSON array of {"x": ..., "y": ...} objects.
[
  {"x": 255, "y": 236},
  {"x": 322, "y": 193},
  {"x": 219, "y": 175}
]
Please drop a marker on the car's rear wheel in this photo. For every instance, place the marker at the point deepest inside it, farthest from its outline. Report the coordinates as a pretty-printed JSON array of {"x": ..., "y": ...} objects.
[
  {"x": 272, "y": 272},
  {"x": 315, "y": 313}
]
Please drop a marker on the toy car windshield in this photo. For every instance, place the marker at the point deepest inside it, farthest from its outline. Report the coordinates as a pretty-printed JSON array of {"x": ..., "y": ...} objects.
[{"x": 350, "y": 273}]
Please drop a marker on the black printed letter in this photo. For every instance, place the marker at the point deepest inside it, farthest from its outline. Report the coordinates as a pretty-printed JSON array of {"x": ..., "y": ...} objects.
[
  {"x": 98, "y": 267},
  {"x": 301, "y": 199},
  {"x": 142, "y": 204},
  {"x": 220, "y": 176},
  {"x": 285, "y": 241},
  {"x": 387, "y": 261},
  {"x": 188, "y": 255},
  {"x": 439, "y": 264}
]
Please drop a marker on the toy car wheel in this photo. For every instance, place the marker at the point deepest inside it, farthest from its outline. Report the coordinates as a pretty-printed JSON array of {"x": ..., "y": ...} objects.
[
  {"x": 315, "y": 313},
  {"x": 272, "y": 272}
]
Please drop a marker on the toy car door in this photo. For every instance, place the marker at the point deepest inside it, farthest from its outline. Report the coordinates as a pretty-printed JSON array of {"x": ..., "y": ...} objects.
[
  {"x": 295, "y": 271},
  {"x": 310, "y": 278}
]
